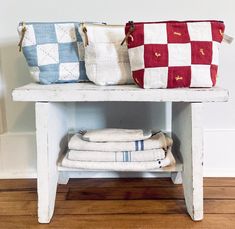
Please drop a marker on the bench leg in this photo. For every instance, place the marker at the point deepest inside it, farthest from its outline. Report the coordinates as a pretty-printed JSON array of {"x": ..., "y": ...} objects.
[
  {"x": 50, "y": 129},
  {"x": 63, "y": 178},
  {"x": 188, "y": 140},
  {"x": 176, "y": 177}
]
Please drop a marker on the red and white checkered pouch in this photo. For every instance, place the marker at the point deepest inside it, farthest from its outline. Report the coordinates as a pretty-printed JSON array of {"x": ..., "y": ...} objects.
[{"x": 174, "y": 54}]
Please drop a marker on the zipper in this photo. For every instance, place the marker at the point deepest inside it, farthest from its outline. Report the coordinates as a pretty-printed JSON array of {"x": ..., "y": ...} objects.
[
  {"x": 132, "y": 25},
  {"x": 131, "y": 30},
  {"x": 24, "y": 29},
  {"x": 62, "y": 22},
  {"x": 58, "y": 22},
  {"x": 84, "y": 29},
  {"x": 189, "y": 21}
]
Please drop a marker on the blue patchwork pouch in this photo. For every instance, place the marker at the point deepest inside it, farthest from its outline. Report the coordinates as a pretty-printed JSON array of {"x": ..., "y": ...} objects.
[{"x": 54, "y": 51}]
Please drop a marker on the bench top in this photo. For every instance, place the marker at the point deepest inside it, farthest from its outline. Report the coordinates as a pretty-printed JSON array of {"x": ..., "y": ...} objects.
[{"x": 88, "y": 92}]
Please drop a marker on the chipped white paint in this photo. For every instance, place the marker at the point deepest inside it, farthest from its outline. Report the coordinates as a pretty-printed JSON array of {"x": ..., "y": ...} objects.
[
  {"x": 89, "y": 92},
  {"x": 188, "y": 144},
  {"x": 52, "y": 126}
]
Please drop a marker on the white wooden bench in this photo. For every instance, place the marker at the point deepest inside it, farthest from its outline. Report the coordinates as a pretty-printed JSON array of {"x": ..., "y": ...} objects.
[{"x": 52, "y": 125}]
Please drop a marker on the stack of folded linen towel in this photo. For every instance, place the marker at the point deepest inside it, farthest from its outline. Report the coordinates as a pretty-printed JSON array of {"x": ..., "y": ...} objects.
[{"x": 119, "y": 150}]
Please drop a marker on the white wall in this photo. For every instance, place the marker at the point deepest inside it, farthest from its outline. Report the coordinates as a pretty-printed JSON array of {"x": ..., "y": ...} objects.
[{"x": 17, "y": 145}]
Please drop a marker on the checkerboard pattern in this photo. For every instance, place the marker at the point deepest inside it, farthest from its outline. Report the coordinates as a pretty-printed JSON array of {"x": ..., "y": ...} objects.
[
  {"x": 54, "y": 52},
  {"x": 175, "y": 54}
]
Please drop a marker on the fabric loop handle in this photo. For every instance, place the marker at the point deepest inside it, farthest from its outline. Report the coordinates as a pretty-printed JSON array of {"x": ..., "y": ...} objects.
[
  {"x": 23, "y": 31},
  {"x": 84, "y": 29},
  {"x": 131, "y": 29}
]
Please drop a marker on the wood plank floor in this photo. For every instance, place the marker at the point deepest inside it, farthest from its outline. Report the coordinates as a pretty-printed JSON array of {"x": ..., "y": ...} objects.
[{"x": 118, "y": 203}]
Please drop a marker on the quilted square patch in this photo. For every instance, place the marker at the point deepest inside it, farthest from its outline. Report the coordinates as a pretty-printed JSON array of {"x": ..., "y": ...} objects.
[
  {"x": 179, "y": 54},
  {"x": 214, "y": 69},
  {"x": 179, "y": 77},
  {"x": 201, "y": 52},
  {"x": 65, "y": 33},
  {"x": 177, "y": 33},
  {"x": 69, "y": 71},
  {"x": 68, "y": 52},
  {"x": 215, "y": 52},
  {"x": 156, "y": 77},
  {"x": 217, "y": 31},
  {"x": 200, "y": 31},
  {"x": 45, "y": 33},
  {"x": 31, "y": 56},
  {"x": 136, "y": 56},
  {"x": 150, "y": 32},
  {"x": 137, "y": 36},
  {"x": 29, "y": 37},
  {"x": 155, "y": 55},
  {"x": 48, "y": 54},
  {"x": 200, "y": 75}
]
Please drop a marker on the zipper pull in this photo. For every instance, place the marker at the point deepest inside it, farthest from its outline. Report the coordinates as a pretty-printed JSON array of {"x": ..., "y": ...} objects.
[
  {"x": 227, "y": 39},
  {"x": 23, "y": 31},
  {"x": 131, "y": 29},
  {"x": 84, "y": 30}
]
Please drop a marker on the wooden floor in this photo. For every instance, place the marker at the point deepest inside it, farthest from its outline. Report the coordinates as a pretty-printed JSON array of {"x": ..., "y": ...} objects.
[{"x": 118, "y": 203}]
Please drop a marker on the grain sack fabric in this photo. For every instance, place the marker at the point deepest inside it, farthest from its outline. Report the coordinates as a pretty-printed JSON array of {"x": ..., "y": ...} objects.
[
  {"x": 121, "y": 166},
  {"x": 107, "y": 63},
  {"x": 156, "y": 141},
  {"x": 124, "y": 156},
  {"x": 115, "y": 135},
  {"x": 174, "y": 54},
  {"x": 54, "y": 52}
]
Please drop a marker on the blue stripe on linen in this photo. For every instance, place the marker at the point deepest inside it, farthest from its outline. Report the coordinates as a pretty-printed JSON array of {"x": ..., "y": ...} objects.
[
  {"x": 126, "y": 156},
  {"x": 136, "y": 145},
  {"x": 142, "y": 144}
]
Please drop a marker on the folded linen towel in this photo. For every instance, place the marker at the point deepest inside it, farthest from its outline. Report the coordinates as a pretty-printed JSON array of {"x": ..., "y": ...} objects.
[
  {"x": 120, "y": 166},
  {"x": 115, "y": 135},
  {"x": 157, "y": 141},
  {"x": 124, "y": 156}
]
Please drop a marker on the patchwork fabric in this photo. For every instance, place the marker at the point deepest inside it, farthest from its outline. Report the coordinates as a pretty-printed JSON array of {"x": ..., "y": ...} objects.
[
  {"x": 54, "y": 52},
  {"x": 174, "y": 54}
]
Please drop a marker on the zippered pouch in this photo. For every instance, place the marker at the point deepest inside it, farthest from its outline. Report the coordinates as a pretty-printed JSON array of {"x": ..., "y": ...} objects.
[
  {"x": 173, "y": 54},
  {"x": 54, "y": 51},
  {"x": 106, "y": 61}
]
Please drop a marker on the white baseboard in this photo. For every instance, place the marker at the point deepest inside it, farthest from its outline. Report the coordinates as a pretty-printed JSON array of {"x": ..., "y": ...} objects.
[
  {"x": 18, "y": 175},
  {"x": 18, "y": 156}
]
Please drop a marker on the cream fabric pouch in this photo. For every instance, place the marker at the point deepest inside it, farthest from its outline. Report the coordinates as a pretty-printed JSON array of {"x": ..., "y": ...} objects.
[{"x": 106, "y": 61}]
